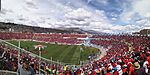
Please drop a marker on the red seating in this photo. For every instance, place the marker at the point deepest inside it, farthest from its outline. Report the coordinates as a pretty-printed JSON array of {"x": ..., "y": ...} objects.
[
  {"x": 60, "y": 38},
  {"x": 15, "y": 35}
]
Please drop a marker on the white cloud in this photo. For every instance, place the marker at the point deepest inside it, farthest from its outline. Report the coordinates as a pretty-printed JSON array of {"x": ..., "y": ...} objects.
[
  {"x": 142, "y": 7},
  {"x": 51, "y": 13},
  {"x": 144, "y": 23},
  {"x": 79, "y": 14},
  {"x": 137, "y": 14},
  {"x": 88, "y": 1},
  {"x": 86, "y": 19},
  {"x": 105, "y": 2},
  {"x": 93, "y": 21}
]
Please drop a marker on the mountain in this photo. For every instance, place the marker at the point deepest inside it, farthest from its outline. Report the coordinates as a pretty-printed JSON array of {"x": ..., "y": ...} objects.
[{"x": 33, "y": 29}]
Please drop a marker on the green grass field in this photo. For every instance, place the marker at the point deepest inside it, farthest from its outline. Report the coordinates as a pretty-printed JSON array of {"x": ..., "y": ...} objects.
[{"x": 72, "y": 54}]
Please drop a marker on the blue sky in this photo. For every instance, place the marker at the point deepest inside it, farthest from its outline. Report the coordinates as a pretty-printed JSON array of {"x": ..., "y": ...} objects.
[
  {"x": 110, "y": 16},
  {"x": 112, "y": 8}
]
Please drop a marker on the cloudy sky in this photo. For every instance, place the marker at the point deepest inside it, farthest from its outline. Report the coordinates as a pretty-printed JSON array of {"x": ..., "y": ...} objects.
[{"x": 110, "y": 16}]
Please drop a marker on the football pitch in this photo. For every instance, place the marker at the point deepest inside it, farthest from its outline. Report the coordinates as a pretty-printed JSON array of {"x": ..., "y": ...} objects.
[{"x": 71, "y": 54}]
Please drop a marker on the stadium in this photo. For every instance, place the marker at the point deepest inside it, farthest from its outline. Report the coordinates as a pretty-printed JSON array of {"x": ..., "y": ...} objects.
[
  {"x": 71, "y": 50},
  {"x": 81, "y": 42}
]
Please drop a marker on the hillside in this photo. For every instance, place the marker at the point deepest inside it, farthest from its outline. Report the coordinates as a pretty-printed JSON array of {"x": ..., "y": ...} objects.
[
  {"x": 33, "y": 29},
  {"x": 143, "y": 32}
]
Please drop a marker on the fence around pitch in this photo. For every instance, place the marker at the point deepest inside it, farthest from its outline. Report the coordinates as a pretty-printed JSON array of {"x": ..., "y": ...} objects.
[
  {"x": 30, "y": 53},
  {"x": 4, "y": 72}
]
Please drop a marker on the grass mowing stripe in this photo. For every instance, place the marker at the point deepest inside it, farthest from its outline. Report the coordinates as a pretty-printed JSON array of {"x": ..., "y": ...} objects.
[
  {"x": 69, "y": 55},
  {"x": 65, "y": 52},
  {"x": 76, "y": 55},
  {"x": 83, "y": 54},
  {"x": 58, "y": 51},
  {"x": 50, "y": 49}
]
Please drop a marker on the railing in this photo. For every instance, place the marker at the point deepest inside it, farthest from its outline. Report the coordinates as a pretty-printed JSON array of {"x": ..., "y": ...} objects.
[
  {"x": 5, "y": 72},
  {"x": 31, "y": 54},
  {"x": 55, "y": 62}
]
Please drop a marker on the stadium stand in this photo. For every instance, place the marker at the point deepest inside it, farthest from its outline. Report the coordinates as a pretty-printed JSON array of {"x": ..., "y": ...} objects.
[
  {"x": 60, "y": 38},
  {"x": 126, "y": 55},
  {"x": 55, "y": 38}
]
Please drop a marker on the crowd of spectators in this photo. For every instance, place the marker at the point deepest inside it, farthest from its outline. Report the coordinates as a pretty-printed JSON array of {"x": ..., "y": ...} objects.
[
  {"x": 126, "y": 55},
  {"x": 60, "y": 38},
  {"x": 50, "y": 38},
  {"x": 15, "y": 35}
]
